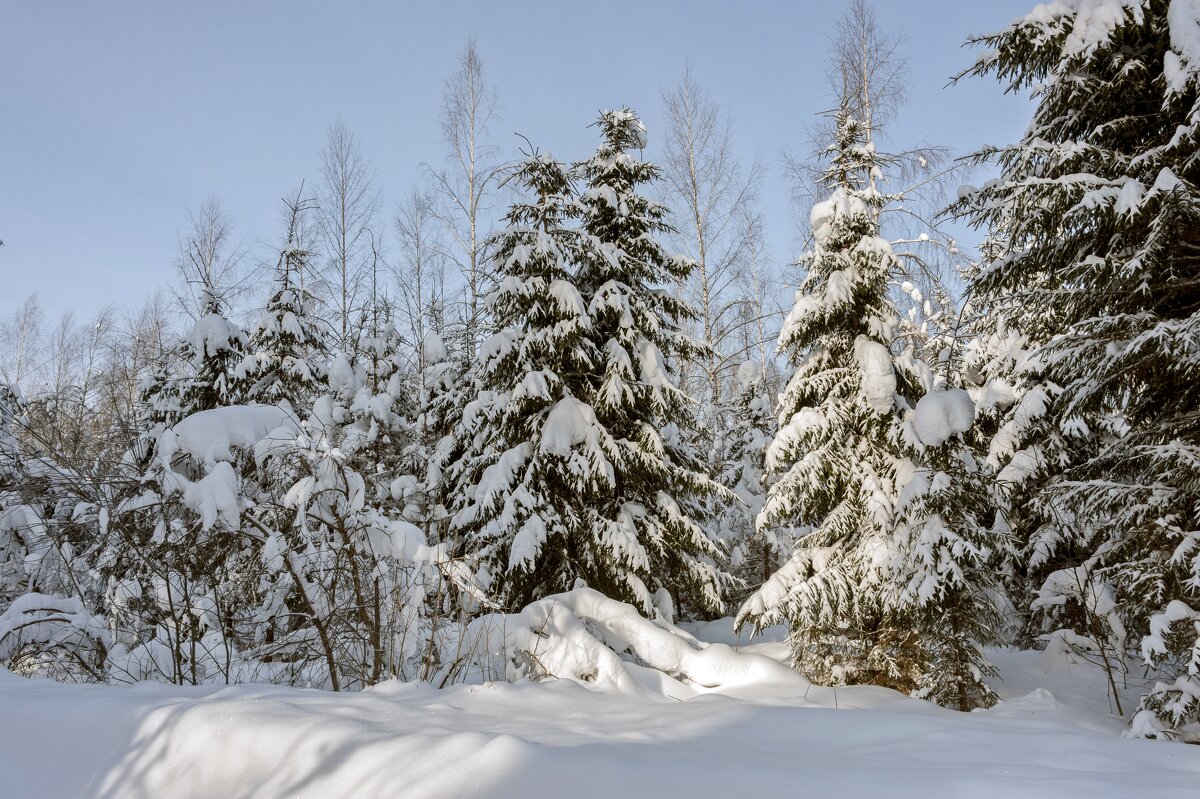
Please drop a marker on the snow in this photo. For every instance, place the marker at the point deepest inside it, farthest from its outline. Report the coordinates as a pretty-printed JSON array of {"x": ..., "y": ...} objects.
[
  {"x": 748, "y": 373},
  {"x": 634, "y": 126},
  {"x": 1093, "y": 23},
  {"x": 433, "y": 349},
  {"x": 636, "y": 728},
  {"x": 567, "y": 425},
  {"x": 878, "y": 374},
  {"x": 1129, "y": 197},
  {"x": 1182, "y": 62},
  {"x": 841, "y": 203},
  {"x": 213, "y": 435},
  {"x": 941, "y": 415},
  {"x": 213, "y": 333}
]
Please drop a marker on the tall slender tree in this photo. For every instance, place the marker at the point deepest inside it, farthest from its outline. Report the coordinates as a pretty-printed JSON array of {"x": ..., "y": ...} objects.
[
  {"x": 838, "y": 449},
  {"x": 286, "y": 354},
  {"x": 347, "y": 203}
]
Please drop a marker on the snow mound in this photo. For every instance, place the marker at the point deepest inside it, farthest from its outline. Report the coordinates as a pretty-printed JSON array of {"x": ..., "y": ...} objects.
[
  {"x": 941, "y": 415},
  {"x": 561, "y": 739},
  {"x": 585, "y": 637}
]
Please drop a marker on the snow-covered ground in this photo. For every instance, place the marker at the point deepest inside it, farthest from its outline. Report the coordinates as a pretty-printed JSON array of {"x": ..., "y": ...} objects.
[{"x": 1052, "y": 736}]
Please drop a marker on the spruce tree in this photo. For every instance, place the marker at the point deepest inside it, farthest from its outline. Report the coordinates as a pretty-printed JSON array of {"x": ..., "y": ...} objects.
[
  {"x": 650, "y": 528},
  {"x": 533, "y": 458},
  {"x": 213, "y": 348},
  {"x": 754, "y": 554},
  {"x": 1098, "y": 208},
  {"x": 839, "y": 446},
  {"x": 201, "y": 373},
  {"x": 943, "y": 586},
  {"x": 435, "y": 389},
  {"x": 1013, "y": 440},
  {"x": 285, "y": 359}
]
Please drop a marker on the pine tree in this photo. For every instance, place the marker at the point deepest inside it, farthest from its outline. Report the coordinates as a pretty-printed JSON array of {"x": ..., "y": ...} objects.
[
  {"x": 533, "y": 457},
  {"x": 650, "y": 526},
  {"x": 754, "y": 554},
  {"x": 285, "y": 360},
  {"x": 838, "y": 447},
  {"x": 1097, "y": 206},
  {"x": 944, "y": 591}
]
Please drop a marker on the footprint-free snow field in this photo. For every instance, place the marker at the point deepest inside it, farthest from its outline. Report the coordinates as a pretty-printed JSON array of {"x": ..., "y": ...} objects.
[{"x": 761, "y": 731}]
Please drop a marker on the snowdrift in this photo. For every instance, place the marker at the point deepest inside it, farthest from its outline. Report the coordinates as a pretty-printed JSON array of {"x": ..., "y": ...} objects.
[
  {"x": 583, "y": 636},
  {"x": 603, "y": 701}
]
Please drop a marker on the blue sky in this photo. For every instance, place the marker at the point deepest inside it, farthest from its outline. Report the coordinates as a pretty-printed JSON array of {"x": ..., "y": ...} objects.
[{"x": 117, "y": 117}]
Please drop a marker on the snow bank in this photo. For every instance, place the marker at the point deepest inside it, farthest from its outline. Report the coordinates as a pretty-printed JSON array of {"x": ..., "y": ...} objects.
[{"x": 561, "y": 739}]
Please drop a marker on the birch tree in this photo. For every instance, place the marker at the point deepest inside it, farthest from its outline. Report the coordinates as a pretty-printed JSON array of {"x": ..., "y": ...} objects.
[
  {"x": 468, "y": 108},
  {"x": 347, "y": 202},
  {"x": 713, "y": 200}
]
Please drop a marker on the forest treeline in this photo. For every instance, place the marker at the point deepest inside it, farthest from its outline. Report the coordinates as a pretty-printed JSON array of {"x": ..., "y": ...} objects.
[{"x": 543, "y": 374}]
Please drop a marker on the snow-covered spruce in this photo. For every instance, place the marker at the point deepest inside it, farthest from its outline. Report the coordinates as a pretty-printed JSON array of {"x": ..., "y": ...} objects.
[
  {"x": 653, "y": 521},
  {"x": 942, "y": 580},
  {"x": 556, "y": 486},
  {"x": 839, "y": 445},
  {"x": 531, "y": 456},
  {"x": 210, "y": 353},
  {"x": 754, "y": 554},
  {"x": 436, "y": 391},
  {"x": 286, "y": 356},
  {"x": 1097, "y": 207}
]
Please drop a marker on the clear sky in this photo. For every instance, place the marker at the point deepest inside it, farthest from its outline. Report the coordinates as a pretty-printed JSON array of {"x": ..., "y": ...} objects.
[{"x": 118, "y": 117}]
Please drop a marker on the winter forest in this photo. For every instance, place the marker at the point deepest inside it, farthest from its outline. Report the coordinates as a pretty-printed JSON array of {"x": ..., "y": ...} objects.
[{"x": 552, "y": 438}]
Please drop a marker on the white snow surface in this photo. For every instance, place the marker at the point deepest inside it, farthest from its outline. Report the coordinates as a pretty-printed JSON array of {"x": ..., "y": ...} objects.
[
  {"x": 569, "y": 423},
  {"x": 753, "y": 729},
  {"x": 212, "y": 333},
  {"x": 1182, "y": 62}
]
